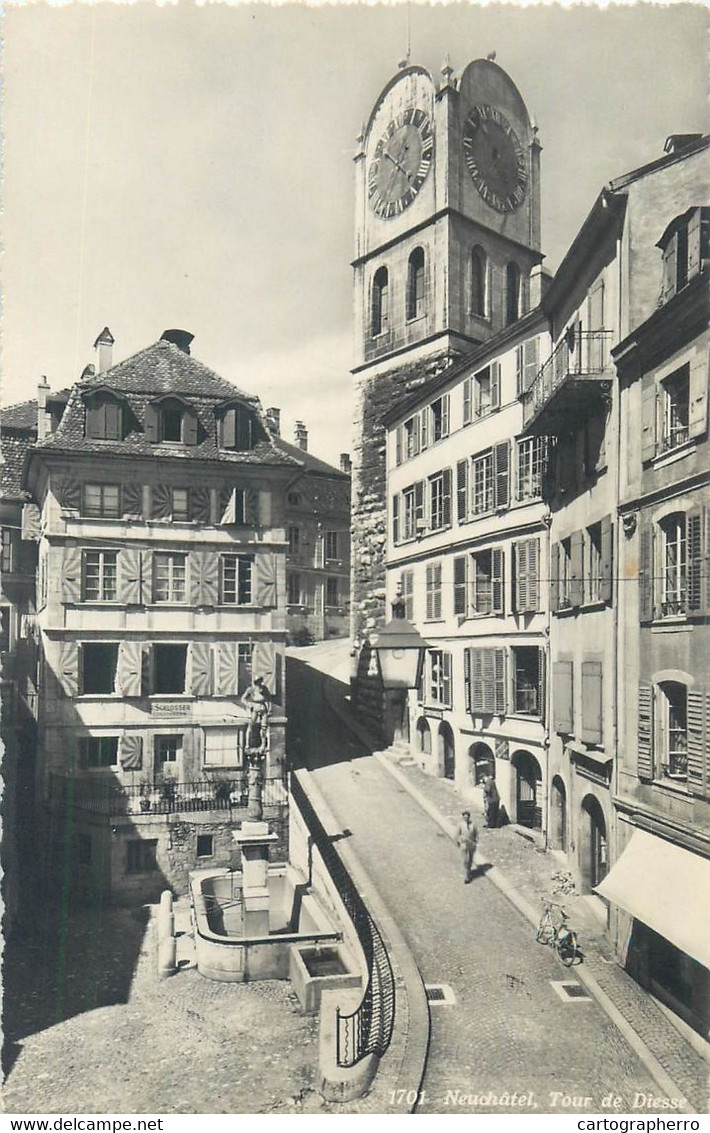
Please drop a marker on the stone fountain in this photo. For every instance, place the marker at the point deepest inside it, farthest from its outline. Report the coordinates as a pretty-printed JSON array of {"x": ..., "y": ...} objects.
[{"x": 253, "y": 837}]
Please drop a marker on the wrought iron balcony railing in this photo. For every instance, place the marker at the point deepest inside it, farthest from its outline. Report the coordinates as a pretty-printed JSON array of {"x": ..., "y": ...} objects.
[
  {"x": 103, "y": 794},
  {"x": 580, "y": 358}
]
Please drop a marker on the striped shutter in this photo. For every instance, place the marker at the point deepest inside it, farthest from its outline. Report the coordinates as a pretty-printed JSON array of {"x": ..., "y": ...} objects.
[
  {"x": 395, "y": 518},
  {"x": 495, "y": 385},
  {"x": 592, "y": 702},
  {"x": 467, "y": 401},
  {"x": 227, "y": 669},
  {"x": 644, "y": 764},
  {"x": 562, "y": 697},
  {"x": 204, "y": 578},
  {"x": 71, "y": 575},
  {"x": 429, "y": 592},
  {"x": 68, "y": 667},
  {"x": 554, "y": 577},
  {"x": 130, "y": 668},
  {"x": 201, "y": 668},
  {"x": 460, "y": 584},
  {"x": 645, "y": 570},
  {"x": 694, "y": 537},
  {"x": 501, "y": 465},
  {"x": 151, "y": 424},
  {"x": 161, "y": 505},
  {"x": 146, "y": 577},
  {"x": 69, "y": 493},
  {"x": 30, "y": 522},
  {"x": 648, "y": 422},
  {"x": 533, "y": 575},
  {"x": 497, "y": 581},
  {"x": 200, "y": 505},
  {"x": 698, "y": 397},
  {"x": 531, "y": 361},
  {"x": 476, "y": 670},
  {"x": 129, "y": 576},
  {"x": 437, "y": 590},
  {"x": 265, "y": 580},
  {"x": 699, "y": 742},
  {"x": 131, "y": 752},
  {"x": 576, "y": 586},
  {"x": 499, "y": 681},
  {"x": 132, "y": 501},
  {"x": 462, "y": 490},
  {"x": 251, "y": 507},
  {"x": 189, "y": 427},
  {"x": 467, "y": 679},
  {"x": 446, "y": 501},
  {"x": 489, "y": 681},
  {"x": 263, "y": 663},
  {"x": 520, "y": 559},
  {"x": 607, "y": 559}
]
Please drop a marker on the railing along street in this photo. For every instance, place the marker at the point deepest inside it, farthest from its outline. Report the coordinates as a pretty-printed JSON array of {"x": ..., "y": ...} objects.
[{"x": 103, "y": 795}]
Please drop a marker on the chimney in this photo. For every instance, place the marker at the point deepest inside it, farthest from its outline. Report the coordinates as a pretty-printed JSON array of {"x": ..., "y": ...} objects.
[
  {"x": 346, "y": 464},
  {"x": 300, "y": 434},
  {"x": 179, "y": 338},
  {"x": 273, "y": 420},
  {"x": 676, "y": 143},
  {"x": 42, "y": 417},
  {"x": 104, "y": 344},
  {"x": 540, "y": 279}
]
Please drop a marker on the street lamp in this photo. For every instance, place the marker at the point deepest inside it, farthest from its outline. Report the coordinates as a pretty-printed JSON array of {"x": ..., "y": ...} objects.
[{"x": 400, "y": 653}]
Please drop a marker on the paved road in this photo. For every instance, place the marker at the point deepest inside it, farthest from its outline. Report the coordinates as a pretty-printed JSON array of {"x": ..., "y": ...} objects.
[{"x": 510, "y": 1041}]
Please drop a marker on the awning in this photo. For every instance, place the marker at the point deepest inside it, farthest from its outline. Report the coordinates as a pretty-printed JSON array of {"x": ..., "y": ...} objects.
[{"x": 667, "y": 888}]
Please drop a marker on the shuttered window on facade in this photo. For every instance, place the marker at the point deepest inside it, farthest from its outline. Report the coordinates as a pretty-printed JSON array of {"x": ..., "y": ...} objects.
[
  {"x": 433, "y": 591},
  {"x": 563, "y": 697},
  {"x": 699, "y": 742},
  {"x": 485, "y": 677},
  {"x": 592, "y": 702},
  {"x": 460, "y": 584},
  {"x": 526, "y": 564}
]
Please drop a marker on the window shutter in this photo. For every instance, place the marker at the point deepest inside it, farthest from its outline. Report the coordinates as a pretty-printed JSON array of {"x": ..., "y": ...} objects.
[
  {"x": 161, "y": 501},
  {"x": 71, "y": 575},
  {"x": 436, "y": 570},
  {"x": 520, "y": 561},
  {"x": 68, "y": 667},
  {"x": 244, "y": 435},
  {"x": 129, "y": 576},
  {"x": 576, "y": 588},
  {"x": 129, "y": 671},
  {"x": 495, "y": 385},
  {"x": 429, "y": 592},
  {"x": 201, "y": 668},
  {"x": 228, "y": 429},
  {"x": 554, "y": 577},
  {"x": 131, "y": 752},
  {"x": 499, "y": 679},
  {"x": 200, "y": 505},
  {"x": 132, "y": 501},
  {"x": 706, "y": 564},
  {"x": 699, "y": 742},
  {"x": 648, "y": 422},
  {"x": 69, "y": 493},
  {"x": 592, "y": 702},
  {"x": 30, "y": 525},
  {"x": 462, "y": 490},
  {"x": 419, "y": 500},
  {"x": 424, "y": 428},
  {"x": 415, "y": 434},
  {"x": 533, "y": 575},
  {"x": 203, "y": 578},
  {"x": 541, "y": 683},
  {"x": 399, "y": 439},
  {"x": 477, "y": 696},
  {"x": 489, "y": 681},
  {"x": 698, "y": 397},
  {"x": 467, "y": 679},
  {"x": 645, "y": 572},
  {"x": 562, "y": 697},
  {"x": 113, "y": 421},
  {"x": 607, "y": 559},
  {"x": 446, "y": 502},
  {"x": 94, "y": 427},
  {"x": 532, "y": 361},
  {"x": 146, "y": 577},
  {"x": 501, "y": 463},
  {"x": 497, "y": 581},
  {"x": 251, "y": 507},
  {"x": 670, "y": 261},
  {"x": 467, "y": 401},
  {"x": 694, "y": 530},
  {"x": 227, "y": 669},
  {"x": 519, "y": 371},
  {"x": 395, "y": 518},
  {"x": 445, "y": 415},
  {"x": 265, "y": 580},
  {"x": 151, "y": 424},
  {"x": 694, "y": 249},
  {"x": 460, "y": 584},
  {"x": 262, "y": 663},
  {"x": 189, "y": 427},
  {"x": 644, "y": 744}
]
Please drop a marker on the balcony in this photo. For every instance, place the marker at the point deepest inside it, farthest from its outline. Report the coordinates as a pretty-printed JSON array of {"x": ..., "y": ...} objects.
[
  {"x": 102, "y": 794},
  {"x": 570, "y": 384}
]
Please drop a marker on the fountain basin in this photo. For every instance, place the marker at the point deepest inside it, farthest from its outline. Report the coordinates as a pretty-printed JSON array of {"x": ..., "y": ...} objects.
[{"x": 318, "y": 968}]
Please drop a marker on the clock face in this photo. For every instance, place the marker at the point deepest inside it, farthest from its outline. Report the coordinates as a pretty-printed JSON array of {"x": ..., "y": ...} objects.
[
  {"x": 495, "y": 158},
  {"x": 400, "y": 163}
]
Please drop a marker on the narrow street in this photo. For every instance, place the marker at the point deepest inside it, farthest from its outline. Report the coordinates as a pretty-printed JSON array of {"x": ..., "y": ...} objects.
[{"x": 509, "y": 1032}]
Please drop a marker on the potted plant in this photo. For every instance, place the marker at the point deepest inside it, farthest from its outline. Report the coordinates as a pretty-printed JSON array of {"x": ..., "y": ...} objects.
[{"x": 167, "y": 789}]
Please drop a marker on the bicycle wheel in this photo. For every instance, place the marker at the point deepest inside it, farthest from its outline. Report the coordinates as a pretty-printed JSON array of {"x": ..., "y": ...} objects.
[
  {"x": 567, "y": 948},
  {"x": 544, "y": 932}
]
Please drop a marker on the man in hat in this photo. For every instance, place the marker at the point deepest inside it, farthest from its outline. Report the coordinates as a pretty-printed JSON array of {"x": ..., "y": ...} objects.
[
  {"x": 466, "y": 840},
  {"x": 491, "y": 801}
]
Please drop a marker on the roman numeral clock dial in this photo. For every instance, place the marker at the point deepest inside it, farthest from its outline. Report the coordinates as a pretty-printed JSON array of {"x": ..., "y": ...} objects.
[
  {"x": 495, "y": 158},
  {"x": 400, "y": 163}
]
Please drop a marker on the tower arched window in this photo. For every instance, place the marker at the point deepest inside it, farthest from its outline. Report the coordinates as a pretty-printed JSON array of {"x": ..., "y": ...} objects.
[
  {"x": 380, "y": 301},
  {"x": 479, "y": 272},
  {"x": 416, "y": 282},
  {"x": 512, "y": 293}
]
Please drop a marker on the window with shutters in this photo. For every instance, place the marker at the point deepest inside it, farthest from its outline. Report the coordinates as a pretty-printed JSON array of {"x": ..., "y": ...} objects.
[
  {"x": 98, "y": 751},
  {"x": 486, "y": 390},
  {"x": 99, "y": 574},
  {"x": 593, "y": 563},
  {"x": 412, "y": 509},
  {"x": 479, "y": 283},
  {"x": 102, "y": 500},
  {"x": 236, "y": 579},
  {"x": 169, "y": 577},
  {"x": 674, "y": 566},
  {"x": 564, "y": 581},
  {"x": 168, "y": 749},
  {"x": 236, "y": 429},
  {"x": 104, "y": 417},
  {"x": 439, "y": 411},
  {"x": 526, "y": 560},
  {"x": 527, "y": 680},
  {"x": 181, "y": 504},
  {"x": 332, "y": 545},
  {"x": 406, "y": 582},
  {"x": 169, "y": 668},
  {"x": 141, "y": 855},
  {"x": 527, "y": 364},
  {"x": 416, "y": 285},
  {"x": 294, "y": 592},
  {"x": 411, "y": 430},
  {"x": 684, "y": 245},
  {"x": 294, "y": 539},
  {"x": 433, "y": 591},
  {"x": 531, "y": 467},
  {"x": 440, "y": 500},
  {"x": 331, "y": 593},
  {"x": 440, "y": 677},
  {"x": 487, "y": 582},
  {"x": 99, "y": 660},
  {"x": 482, "y": 493},
  {"x": 9, "y": 549},
  {"x": 674, "y": 409},
  {"x": 460, "y": 585},
  {"x": 672, "y": 732},
  {"x": 380, "y": 302}
]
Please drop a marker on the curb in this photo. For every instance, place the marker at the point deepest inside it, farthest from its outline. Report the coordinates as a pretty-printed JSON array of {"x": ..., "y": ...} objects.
[{"x": 649, "y": 1060}]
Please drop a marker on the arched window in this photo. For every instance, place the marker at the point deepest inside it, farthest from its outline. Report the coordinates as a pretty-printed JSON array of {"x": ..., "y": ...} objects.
[
  {"x": 512, "y": 293},
  {"x": 479, "y": 272},
  {"x": 416, "y": 281},
  {"x": 380, "y": 302}
]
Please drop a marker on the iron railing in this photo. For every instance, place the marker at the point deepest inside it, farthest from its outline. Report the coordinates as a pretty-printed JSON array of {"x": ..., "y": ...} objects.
[
  {"x": 102, "y": 794},
  {"x": 583, "y": 354},
  {"x": 368, "y": 1030}
]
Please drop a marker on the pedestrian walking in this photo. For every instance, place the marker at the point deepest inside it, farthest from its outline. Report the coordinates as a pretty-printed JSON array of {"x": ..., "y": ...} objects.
[
  {"x": 466, "y": 840},
  {"x": 491, "y": 800}
]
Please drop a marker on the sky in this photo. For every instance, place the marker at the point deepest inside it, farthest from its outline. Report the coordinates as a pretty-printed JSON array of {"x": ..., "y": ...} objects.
[{"x": 183, "y": 166}]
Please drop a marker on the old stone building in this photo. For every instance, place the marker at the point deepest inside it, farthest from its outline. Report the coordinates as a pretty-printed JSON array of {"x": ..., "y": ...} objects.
[{"x": 160, "y": 597}]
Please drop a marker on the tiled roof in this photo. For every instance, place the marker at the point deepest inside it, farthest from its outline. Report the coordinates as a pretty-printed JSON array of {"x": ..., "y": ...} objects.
[
  {"x": 14, "y": 450},
  {"x": 310, "y": 463},
  {"x": 164, "y": 368},
  {"x": 20, "y": 416}
]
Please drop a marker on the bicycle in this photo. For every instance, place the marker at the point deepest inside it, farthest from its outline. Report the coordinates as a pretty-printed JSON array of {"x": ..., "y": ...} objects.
[{"x": 554, "y": 930}]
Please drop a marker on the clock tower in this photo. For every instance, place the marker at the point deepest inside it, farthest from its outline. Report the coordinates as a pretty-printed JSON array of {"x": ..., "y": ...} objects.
[{"x": 447, "y": 252}]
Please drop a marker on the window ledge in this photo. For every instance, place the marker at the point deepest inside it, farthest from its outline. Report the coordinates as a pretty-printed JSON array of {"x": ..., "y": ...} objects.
[
  {"x": 672, "y": 454},
  {"x": 596, "y": 604},
  {"x": 673, "y": 786},
  {"x": 671, "y": 625},
  {"x": 420, "y": 318}
]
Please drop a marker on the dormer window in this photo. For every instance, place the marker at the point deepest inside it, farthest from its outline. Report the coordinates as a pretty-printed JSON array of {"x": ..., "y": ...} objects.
[
  {"x": 104, "y": 417},
  {"x": 171, "y": 420},
  {"x": 236, "y": 429},
  {"x": 685, "y": 244}
]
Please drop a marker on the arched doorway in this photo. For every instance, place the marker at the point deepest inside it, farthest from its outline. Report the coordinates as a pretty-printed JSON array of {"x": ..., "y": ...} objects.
[
  {"x": 447, "y": 755},
  {"x": 481, "y": 762},
  {"x": 558, "y": 815},
  {"x": 423, "y": 736},
  {"x": 593, "y": 845},
  {"x": 528, "y": 780}
]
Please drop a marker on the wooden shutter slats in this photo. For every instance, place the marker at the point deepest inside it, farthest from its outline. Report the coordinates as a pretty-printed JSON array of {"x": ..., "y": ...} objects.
[
  {"x": 446, "y": 502},
  {"x": 161, "y": 505},
  {"x": 265, "y": 580},
  {"x": 71, "y": 574},
  {"x": 497, "y": 581},
  {"x": 576, "y": 587},
  {"x": 395, "y": 518},
  {"x": 644, "y": 744},
  {"x": 30, "y": 528},
  {"x": 189, "y": 427},
  {"x": 607, "y": 559},
  {"x": 501, "y": 466},
  {"x": 694, "y": 543},
  {"x": 645, "y": 570},
  {"x": 499, "y": 698},
  {"x": 648, "y": 422},
  {"x": 151, "y": 423},
  {"x": 555, "y": 577},
  {"x": 698, "y": 397},
  {"x": 562, "y": 697},
  {"x": 460, "y": 584},
  {"x": 698, "y": 709},
  {"x": 592, "y": 702}
]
